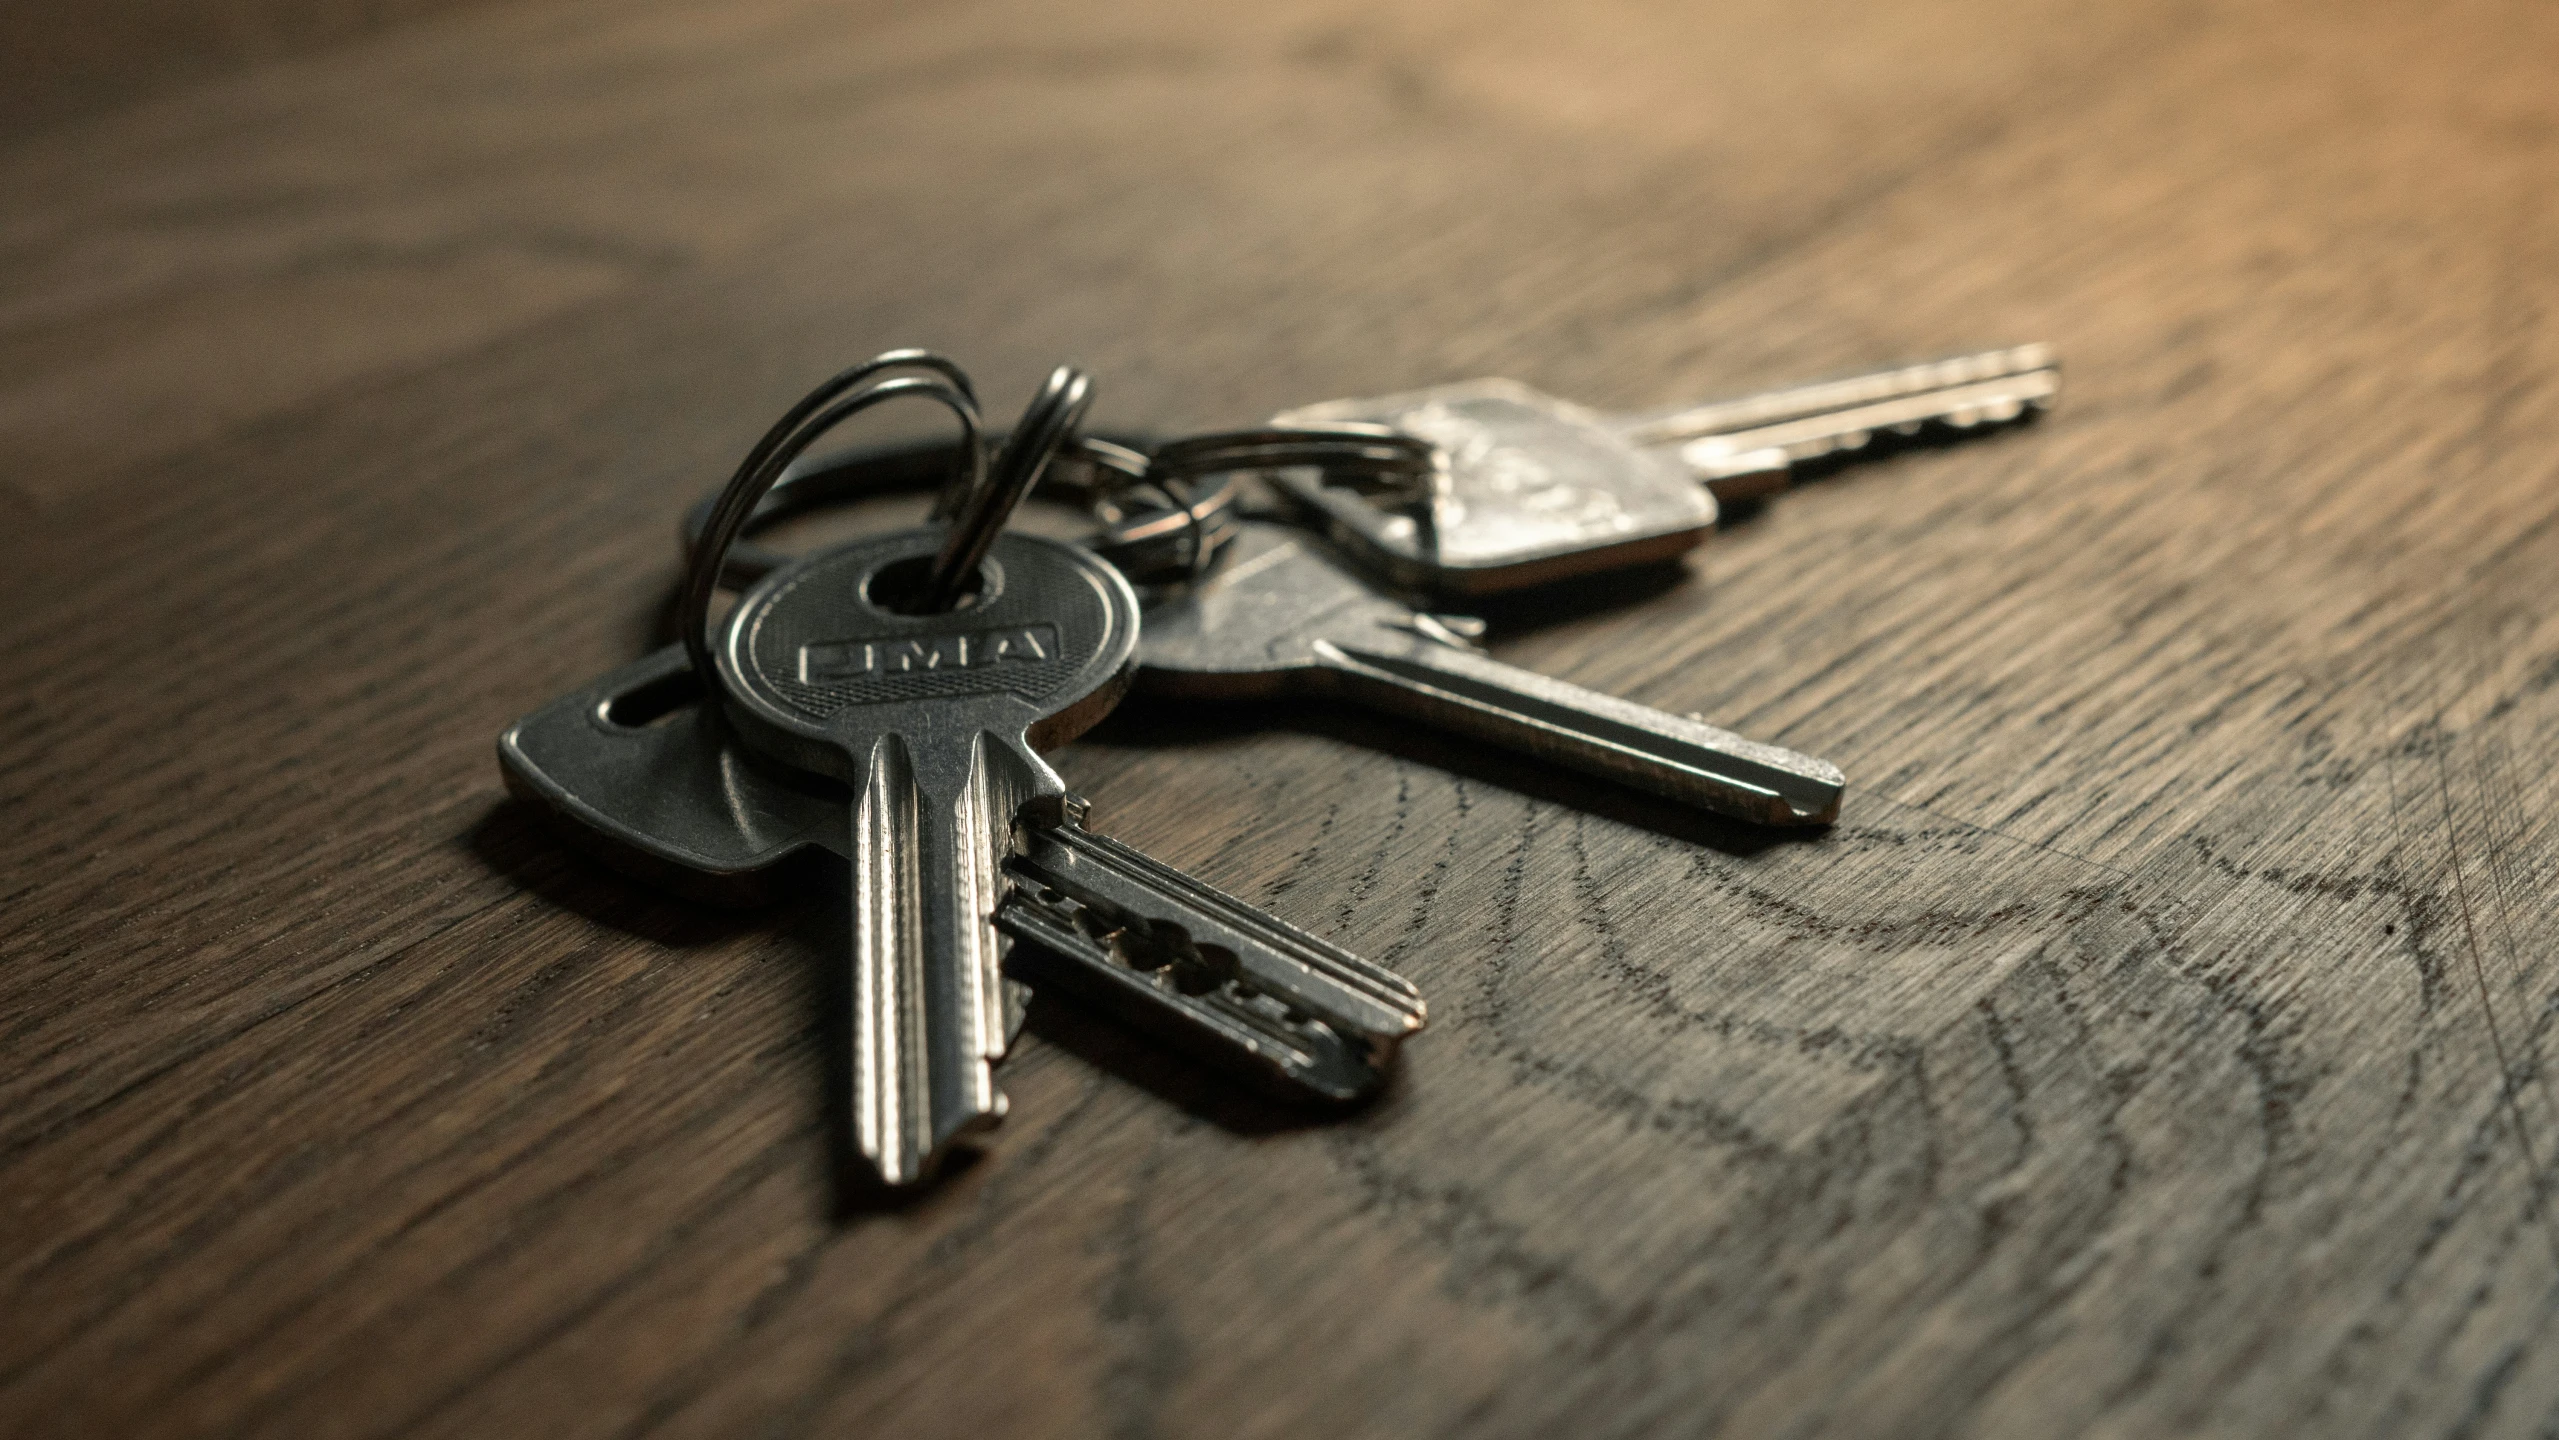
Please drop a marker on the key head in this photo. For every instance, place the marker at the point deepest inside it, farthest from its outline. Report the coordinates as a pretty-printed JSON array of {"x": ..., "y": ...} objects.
[
  {"x": 1256, "y": 618},
  {"x": 644, "y": 775},
  {"x": 1537, "y": 489},
  {"x": 822, "y": 657}
]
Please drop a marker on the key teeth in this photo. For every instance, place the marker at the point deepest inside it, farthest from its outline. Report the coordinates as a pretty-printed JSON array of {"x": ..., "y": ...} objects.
[{"x": 1203, "y": 969}]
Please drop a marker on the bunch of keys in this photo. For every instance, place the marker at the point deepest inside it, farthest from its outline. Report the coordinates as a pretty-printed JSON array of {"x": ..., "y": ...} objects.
[
  {"x": 728, "y": 801},
  {"x": 885, "y": 702},
  {"x": 1486, "y": 486}
]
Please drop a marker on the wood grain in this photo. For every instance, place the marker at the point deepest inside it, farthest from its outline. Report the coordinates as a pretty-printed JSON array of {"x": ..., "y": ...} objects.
[{"x": 2156, "y": 1047}]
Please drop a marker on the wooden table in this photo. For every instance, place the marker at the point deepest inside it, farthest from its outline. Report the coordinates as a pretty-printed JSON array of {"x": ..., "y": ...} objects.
[{"x": 2156, "y": 1045}]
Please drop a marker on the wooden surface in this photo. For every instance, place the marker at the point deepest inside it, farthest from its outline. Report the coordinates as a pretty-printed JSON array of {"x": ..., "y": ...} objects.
[{"x": 2157, "y": 1045}]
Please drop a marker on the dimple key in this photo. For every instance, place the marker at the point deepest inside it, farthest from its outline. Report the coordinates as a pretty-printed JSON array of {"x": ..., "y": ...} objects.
[
  {"x": 1198, "y": 968},
  {"x": 933, "y": 722},
  {"x": 1283, "y": 614},
  {"x": 1538, "y": 489},
  {"x": 649, "y": 778}
]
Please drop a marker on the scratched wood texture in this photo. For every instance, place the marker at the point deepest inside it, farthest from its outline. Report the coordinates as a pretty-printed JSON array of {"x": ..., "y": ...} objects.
[{"x": 2157, "y": 1046}]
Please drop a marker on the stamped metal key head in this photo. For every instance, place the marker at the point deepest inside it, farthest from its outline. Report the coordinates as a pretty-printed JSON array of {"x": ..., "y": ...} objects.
[
  {"x": 1536, "y": 489},
  {"x": 830, "y": 651}
]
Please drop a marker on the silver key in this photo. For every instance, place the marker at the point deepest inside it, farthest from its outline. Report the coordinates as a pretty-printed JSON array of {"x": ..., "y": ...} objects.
[
  {"x": 643, "y": 774},
  {"x": 1539, "y": 489},
  {"x": 1284, "y": 614},
  {"x": 920, "y": 668},
  {"x": 931, "y": 720},
  {"x": 1533, "y": 489}
]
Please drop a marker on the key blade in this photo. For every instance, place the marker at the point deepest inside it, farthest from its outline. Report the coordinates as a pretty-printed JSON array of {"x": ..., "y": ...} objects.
[
  {"x": 1557, "y": 721},
  {"x": 1200, "y": 969},
  {"x": 1751, "y": 462},
  {"x": 930, "y": 1015},
  {"x": 1797, "y": 402},
  {"x": 1743, "y": 448}
]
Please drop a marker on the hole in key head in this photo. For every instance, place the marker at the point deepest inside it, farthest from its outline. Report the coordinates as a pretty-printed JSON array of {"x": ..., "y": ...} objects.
[
  {"x": 653, "y": 702},
  {"x": 898, "y": 586}
]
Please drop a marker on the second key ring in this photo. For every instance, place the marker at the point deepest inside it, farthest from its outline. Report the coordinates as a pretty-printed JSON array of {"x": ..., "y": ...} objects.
[{"x": 1165, "y": 515}]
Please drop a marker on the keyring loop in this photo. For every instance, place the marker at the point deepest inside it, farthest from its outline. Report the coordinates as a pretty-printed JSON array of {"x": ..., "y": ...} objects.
[
  {"x": 980, "y": 510},
  {"x": 1353, "y": 449},
  {"x": 1196, "y": 514},
  {"x": 1135, "y": 539},
  {"x": 1412, "y": 467},
  {"x": 1137, "y": 472},
  {"x": 799, "y": 428}
]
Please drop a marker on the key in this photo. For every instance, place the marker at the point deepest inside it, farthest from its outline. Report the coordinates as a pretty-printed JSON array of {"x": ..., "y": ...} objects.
[
  {"x": 1539, "y": 489},
  {"x": 641, "y": 773},
  {"x": 933, "y": 721},
  {"x": 1284, "y": 614},
  {"x": 921, "y": 672},
  {"x": 923, "y": 669}
]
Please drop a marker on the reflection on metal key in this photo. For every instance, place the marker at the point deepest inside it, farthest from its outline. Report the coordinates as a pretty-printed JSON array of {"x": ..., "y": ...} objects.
[
  {"x": 1283, "y": 612},
  {"x": 659, "y": 786},
  {"x": 1538, "y": 489},
  {"x": 1535, "y": 489}
]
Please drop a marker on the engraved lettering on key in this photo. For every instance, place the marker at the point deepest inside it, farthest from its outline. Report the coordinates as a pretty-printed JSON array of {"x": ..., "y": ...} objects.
[{"x": 827, "y": 661}]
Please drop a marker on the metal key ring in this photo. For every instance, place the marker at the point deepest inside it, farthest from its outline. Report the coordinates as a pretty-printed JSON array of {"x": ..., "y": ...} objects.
[
  {"x": 1197, "y": 518},
  {"x": 981, "y": 510},
  {"x": 1145, "y": 542},
  {"x": 1343, "y": 447},
  {"x": 1355, "y": 451},
  {"x": 817, "y": 412}
]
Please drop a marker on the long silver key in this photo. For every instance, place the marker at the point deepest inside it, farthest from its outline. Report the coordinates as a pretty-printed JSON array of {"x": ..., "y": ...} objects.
[
  {"x": 651, "y": 780},
  {"x": 1539, "y": 489},
  {"x": 1282, "y": 614}
]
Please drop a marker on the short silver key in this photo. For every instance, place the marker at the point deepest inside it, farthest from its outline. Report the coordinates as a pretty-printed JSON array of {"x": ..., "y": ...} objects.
[
  {"x": 1283, "y": 614},
  {"x": 1539, "y": 489},
  {"x": 931, "y": 720}
]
